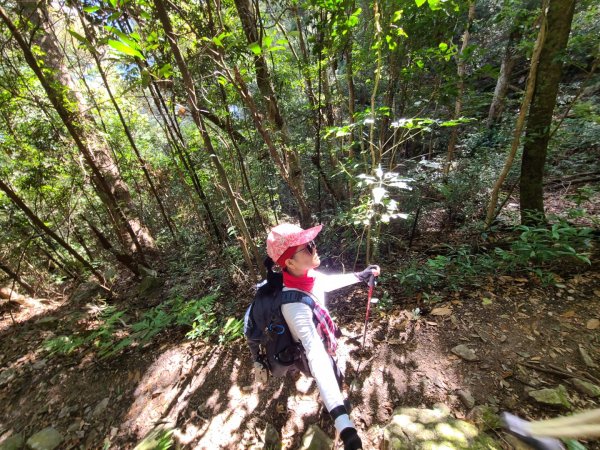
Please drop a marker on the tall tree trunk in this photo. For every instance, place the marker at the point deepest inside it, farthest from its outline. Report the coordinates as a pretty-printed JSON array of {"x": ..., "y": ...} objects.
[
  {"x": 61, "y": 91},
  {"x": 374, "y": 149},
  {"x": 242, "y": 164},
  {"x": 248, "y": 17},
  {"x": 177, "y": 143},
  {"x": 529, "y": 89},
  {"x": 384, "y": 132},
  {"x": 195, "y": 106},
  {"x": 537, "y": 134},
  {"x": 506, "y": 67},
  {"x": 126, "y": 129},
  {"x": 461, "y": 70}
]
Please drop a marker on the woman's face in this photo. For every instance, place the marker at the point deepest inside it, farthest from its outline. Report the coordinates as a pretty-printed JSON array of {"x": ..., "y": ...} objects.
[{"x": 305, "y": 258}]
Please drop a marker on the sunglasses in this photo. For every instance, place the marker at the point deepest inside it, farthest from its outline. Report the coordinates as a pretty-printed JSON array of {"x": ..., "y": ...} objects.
[{"x": 310, "y": 247}]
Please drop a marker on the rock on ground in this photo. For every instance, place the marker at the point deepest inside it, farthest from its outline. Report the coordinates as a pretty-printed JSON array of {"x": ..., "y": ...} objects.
[
  {"x": 47, "y": 439},
  {"x": 315, "y": 439},
  {"x": 552, "y": 397},
  {"x": 417, "y": 428},
  {"x": 14, "y": 442},
  {"x": 586, "y": 388},
  {"x": 464, "y": 352},
  {"x": 271, "y": 438}
]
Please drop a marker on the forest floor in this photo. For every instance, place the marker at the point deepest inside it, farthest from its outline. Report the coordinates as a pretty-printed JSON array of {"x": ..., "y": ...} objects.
[{"x": 525, "y": 336}]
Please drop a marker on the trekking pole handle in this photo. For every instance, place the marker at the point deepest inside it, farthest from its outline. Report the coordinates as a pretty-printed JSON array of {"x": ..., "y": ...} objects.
[{"x": 371, "y": 281}]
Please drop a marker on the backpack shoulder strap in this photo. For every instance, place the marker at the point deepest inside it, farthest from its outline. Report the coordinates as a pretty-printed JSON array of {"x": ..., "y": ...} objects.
[{"x": 290, "y": 295}]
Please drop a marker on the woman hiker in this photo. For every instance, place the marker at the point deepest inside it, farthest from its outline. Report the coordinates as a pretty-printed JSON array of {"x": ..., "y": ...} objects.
[{"x": 294, "y": 250}]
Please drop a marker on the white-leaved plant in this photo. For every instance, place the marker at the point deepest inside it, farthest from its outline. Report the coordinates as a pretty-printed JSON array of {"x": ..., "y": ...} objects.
[
  {"x": 379, "y": 208},
  {"x": 380, "y": 185}
]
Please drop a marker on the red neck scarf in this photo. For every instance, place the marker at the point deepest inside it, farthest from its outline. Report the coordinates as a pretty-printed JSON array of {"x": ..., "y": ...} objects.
[{"x": 304, "y": 283}]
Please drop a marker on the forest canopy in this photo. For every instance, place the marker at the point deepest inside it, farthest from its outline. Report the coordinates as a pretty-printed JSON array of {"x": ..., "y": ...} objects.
[{"x": 133, "y": 127}]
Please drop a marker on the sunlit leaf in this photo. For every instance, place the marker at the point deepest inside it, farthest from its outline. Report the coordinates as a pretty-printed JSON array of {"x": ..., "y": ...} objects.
[
  {"x": 378, "y": 194},
  {"x": 255, "y": 48},
  {"x": 78, "y": 36},
  {"x": 121, "y": 47},
  {"x": 434, "y": 5}
]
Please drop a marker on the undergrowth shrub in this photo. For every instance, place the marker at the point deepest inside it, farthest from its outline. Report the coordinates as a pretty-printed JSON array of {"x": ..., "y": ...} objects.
[
  {"x": 113, "y": 334},
  {"x": 537, "y": 251}
]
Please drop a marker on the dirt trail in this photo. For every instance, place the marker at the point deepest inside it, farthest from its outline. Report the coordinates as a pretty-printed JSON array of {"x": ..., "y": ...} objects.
[{"x": 205, "y": 392}]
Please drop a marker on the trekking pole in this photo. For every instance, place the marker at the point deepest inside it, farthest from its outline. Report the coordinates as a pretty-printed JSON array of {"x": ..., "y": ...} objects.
[{"x": 371, "y": 283}]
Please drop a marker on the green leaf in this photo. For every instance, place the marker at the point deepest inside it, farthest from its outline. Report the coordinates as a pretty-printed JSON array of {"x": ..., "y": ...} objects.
[
  {"x": 255, "y": 48},
  {"x": 276, "y": 48},
  {"x": 130, "y": 40},
  {"x": 125, "y": 49},
  {"x": 165, "y": 71},
  {"x": 267, "y": 41},
  {"x": 218, "y": 40},
  {"x": 434, "y": 4},
  {"x": 420, "y": 3},
  {"x": 443, "y": 46},
  {"x": 91, "y": 9},
  {"x": 77, "y": 36},
  {"x": 574, "y": 445}
]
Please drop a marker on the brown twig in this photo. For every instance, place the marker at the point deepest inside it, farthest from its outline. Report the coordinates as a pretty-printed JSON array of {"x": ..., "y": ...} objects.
[{"x": 558, "y": 371}]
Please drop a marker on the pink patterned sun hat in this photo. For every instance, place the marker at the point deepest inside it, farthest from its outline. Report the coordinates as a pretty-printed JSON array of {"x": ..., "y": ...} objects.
[{"x": 288, "y": 235}]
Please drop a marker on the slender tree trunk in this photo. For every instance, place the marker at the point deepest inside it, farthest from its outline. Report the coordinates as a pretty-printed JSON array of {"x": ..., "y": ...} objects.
[
  {"x": 384, "y": 132},
  {"x": 534, "y": 69},
  {"x": 194, "y": 106},
  {"x": 242, "y": 164},
  {"x": 537, "y": 134},
  {"x": 67, "y": 101},
  {"x": 461, "y": 70},
  {"x": 24, "y": 284},
  {"x": 178, "y": 144},
  {"x": 248, "y": 17},
  {"x": 305, "y": 66},
  {"x": 40, "y": 225},
  {"x": 375, "y": 150},
  {"x": 142, "y": 162},
  {"x": 506, "y": 67}
]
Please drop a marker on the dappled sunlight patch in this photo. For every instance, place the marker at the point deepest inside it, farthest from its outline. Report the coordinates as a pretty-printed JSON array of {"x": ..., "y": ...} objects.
[
  {"x": 304, "y": 384},
  {"x": 157, "y": 389},
  {"x": 433, "y": 429},
  {"x": 305, "y": 408},
  {"x": 30, "y": 309}
]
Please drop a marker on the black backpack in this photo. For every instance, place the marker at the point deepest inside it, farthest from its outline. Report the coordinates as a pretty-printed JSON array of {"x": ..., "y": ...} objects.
[{"x": 266, "y": 331}]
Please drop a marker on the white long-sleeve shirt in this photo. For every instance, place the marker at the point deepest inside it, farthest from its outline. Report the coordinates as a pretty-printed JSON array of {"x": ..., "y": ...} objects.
[{"x": 299, "y": 318}]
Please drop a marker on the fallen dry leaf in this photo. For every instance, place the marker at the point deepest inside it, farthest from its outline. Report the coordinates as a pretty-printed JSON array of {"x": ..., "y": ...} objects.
[
  {"x": 569, "y": 313},
  {"x": 592, "y": 324},
  {"x": 443, "y": 311}
]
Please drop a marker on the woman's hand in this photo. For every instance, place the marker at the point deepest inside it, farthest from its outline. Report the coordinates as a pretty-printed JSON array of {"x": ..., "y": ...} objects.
[{"x": 371, "y": 271}]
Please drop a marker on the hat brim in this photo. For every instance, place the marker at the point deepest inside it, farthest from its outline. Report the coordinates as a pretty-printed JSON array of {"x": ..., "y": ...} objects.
[{"x": 305, "y": 236}]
